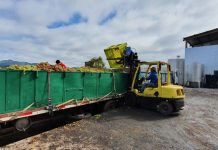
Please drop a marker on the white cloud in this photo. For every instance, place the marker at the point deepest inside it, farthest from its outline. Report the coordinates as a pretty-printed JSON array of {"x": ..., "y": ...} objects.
[{"x": 154, "y": 28}]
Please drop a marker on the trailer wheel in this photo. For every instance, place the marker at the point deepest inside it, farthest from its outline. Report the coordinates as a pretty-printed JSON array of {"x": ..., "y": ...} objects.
[
  {"x": 22, "y": 124},
  {"x": 109, "y": 105},
  {"x": 165, "y": 108},
  {"x": 130, "y": 99}
]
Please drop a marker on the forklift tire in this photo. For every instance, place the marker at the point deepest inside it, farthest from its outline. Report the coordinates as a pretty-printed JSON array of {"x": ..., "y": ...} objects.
[{"x": 165, "y": 108}]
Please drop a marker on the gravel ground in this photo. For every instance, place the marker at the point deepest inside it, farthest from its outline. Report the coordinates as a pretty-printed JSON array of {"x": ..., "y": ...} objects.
[{"x": 126, "y": 128}]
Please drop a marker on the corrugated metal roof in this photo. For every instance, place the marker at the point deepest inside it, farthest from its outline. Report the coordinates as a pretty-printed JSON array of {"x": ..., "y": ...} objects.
[{"x": 204, "y": 38}]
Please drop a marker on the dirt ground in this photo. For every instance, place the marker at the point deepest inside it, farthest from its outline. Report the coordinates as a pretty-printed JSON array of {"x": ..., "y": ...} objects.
[{"x": 126, "y": 128}]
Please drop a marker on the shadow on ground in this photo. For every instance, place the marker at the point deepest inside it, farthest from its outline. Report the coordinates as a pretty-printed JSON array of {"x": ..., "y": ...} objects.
[
  {"x": 138, "y": 114},
  {"x": 13, "y": 135}
]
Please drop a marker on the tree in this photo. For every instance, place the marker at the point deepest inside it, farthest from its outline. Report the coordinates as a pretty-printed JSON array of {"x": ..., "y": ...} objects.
[{"x": 95, "y": 63}]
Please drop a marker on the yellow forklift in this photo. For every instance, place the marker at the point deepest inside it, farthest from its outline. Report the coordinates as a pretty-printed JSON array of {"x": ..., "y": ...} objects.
[{"x": 163, "y": 96}]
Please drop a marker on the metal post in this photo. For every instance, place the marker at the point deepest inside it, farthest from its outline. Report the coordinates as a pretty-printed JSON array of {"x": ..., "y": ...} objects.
[
  {"x": 168, "y": 75},
  {"x": 50, "y": 106}
]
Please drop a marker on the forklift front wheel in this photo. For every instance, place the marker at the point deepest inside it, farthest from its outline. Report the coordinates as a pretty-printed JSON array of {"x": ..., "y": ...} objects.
[{"x": 165, "y": 108}]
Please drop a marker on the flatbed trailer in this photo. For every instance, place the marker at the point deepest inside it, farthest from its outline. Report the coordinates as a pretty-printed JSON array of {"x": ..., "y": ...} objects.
[{"x": 28, "y": 94}]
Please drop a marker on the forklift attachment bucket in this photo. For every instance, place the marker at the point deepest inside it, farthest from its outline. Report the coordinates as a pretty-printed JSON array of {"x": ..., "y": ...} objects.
[{"x": 115, "y": 55}]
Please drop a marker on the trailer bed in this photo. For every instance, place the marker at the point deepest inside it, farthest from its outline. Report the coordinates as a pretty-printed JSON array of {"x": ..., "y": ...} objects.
[{"x": 27, "y": 93}]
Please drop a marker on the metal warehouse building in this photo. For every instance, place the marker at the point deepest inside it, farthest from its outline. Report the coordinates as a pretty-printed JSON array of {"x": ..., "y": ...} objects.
[{"x": 201, "y": 59}]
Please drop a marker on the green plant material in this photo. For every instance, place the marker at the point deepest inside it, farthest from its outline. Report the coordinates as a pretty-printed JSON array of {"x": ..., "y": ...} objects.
[
  {"x": 97, "y": 116},
  {"x": 95, "y": 63},
  {"x": 45, "y": 66},
  {"x": 89, "y": 69},
  {"x": 22, "y": 67}
]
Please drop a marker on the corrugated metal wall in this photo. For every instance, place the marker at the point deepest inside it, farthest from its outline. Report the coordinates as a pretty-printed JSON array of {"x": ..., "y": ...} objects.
[{"x": 200, "y": 61}]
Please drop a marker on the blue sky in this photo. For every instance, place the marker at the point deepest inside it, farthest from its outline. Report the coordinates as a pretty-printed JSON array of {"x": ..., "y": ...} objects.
[
  {"x": 75, "y": 31},
  {"x": 76, "y": 18},
  {"x": 108, "y": 17}
]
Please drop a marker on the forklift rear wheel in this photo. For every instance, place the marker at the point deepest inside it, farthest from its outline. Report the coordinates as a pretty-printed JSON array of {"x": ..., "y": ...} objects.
[{"x": 165, "y": 108}]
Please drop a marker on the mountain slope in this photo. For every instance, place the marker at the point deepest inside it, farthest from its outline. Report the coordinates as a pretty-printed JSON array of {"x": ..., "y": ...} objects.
[{"x": 6, "y": 63}]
